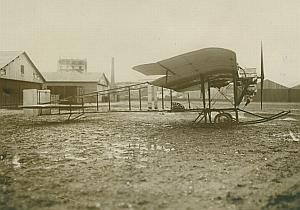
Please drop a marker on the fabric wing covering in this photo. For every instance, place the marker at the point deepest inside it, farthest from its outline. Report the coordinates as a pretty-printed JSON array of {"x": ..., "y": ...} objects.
[{"x": 183, "y": 72}]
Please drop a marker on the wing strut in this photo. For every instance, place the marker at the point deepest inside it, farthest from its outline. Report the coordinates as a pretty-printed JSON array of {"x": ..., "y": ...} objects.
[
  {"x": 262, "y": 75},
  {"x": 167, "y": 71}
]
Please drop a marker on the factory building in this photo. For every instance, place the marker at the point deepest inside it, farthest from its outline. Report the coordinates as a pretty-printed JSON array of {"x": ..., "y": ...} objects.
[
  {"x": 272, "y": 92},
  {"x": 70, "y": 85},
  {"x": 294, "y": 94}
]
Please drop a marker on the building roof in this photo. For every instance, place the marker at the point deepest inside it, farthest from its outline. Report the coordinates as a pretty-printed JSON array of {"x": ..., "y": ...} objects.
[
  {"x": 6, "y": 57},
  {"x": 269, "y": 84},
  {"x": 94, "y": 77},
  {"x": 296, "y": 87}
]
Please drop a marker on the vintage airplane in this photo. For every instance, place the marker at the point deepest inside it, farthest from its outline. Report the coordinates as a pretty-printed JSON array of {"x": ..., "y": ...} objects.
[
  {"x": 202, "y": 70},
  {"x": 211, "y": 68}
]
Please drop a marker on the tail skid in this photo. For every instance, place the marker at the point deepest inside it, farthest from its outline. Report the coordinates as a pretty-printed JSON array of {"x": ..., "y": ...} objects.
[
  {"x": 263, "y": 119},
  {"x": 230, "y": 120}
]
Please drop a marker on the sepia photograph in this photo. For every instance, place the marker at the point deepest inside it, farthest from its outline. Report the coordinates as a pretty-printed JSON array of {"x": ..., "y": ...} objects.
[{"x": 149, "y": 105}]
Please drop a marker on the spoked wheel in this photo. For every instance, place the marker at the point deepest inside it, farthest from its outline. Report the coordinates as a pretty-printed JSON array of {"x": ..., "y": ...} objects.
[
  {"x": 223, "y": 120},
  {"x": 177, "y": 107}
]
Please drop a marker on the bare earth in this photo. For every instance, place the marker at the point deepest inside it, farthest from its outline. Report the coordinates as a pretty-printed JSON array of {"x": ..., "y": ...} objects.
[{"x": 146, "y": 161}]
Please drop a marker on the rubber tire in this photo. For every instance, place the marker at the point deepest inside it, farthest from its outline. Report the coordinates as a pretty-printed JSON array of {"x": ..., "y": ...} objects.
[{"x": 226, "y": 122}]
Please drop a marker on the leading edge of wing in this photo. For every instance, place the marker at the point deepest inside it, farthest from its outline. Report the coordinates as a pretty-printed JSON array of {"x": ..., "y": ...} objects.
[
  {"x": 203, "y": 61},
  {"x": 150, "y": 69}
]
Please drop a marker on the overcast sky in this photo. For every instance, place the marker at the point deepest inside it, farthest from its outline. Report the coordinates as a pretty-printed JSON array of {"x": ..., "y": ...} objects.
[{"x": 142, "y": 31}]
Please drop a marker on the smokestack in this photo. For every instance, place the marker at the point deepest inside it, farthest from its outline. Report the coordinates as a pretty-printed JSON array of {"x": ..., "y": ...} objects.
[{"x": 112, "y": 73}]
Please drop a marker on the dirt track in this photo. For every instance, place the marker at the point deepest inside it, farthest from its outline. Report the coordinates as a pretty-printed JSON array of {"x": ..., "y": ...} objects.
[{"x": 146, "y": 161}]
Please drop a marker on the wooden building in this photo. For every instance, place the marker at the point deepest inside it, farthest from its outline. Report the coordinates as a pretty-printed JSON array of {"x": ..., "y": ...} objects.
[
  {"x": 272, "y": 92},
  {"x": 294, "y": 94},
  {"x": 17, "y": 72},
  {"x": 70, "y": 85}
]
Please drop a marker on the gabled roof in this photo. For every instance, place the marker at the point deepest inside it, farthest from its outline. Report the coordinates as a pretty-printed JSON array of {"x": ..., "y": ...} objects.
[
  {"x": 104, "y": 81},
  {"x": 296, "y": 87},
  {"x": 269, "y": 84},
  {"x": 6, "y": 57},
  {"x": 93, "y": 77}
]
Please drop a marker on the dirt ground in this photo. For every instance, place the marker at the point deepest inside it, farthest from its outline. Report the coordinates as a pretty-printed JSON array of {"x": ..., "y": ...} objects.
[{"x": 147, "y": 161}]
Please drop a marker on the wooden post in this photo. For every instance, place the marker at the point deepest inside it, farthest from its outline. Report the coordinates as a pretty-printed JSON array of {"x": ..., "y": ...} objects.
[
  {"x": 129, "y": 99},
  {"x": 154, "y": 94},
  {"x": 162, "y": 98},
  {"x": 171, "y": 98},
  {"x": 203, "y": 97},
  {"x": 108, "y": 96},
  {"x": 209, "y": 100},
  {"x": 149, "y": 97},
  {"x": 97, "y": 102},
  {"x": 140, "y": 98},
  {"x": 189, "y": 101},
  {"x": 234, "y": 74}
]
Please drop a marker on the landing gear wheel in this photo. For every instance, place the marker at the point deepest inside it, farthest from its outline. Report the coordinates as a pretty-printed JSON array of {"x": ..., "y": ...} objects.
[
  {"x": 223, "y": 120},
  {"x": 177, "y": 107}
]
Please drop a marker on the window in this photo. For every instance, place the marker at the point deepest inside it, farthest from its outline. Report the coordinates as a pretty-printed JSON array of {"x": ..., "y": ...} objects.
[
  {"x": 2, "y": 72},
  {"x": 36, "y": 76},
  {"x": 22, "y": 69}
]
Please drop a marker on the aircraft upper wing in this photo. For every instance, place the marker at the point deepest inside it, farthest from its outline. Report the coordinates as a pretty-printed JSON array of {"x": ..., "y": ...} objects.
[
  {"x": 184, "y": 71},
  {"x": 151, "y": 69}
]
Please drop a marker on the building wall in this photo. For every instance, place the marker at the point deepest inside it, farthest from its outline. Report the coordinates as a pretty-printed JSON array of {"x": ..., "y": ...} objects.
[
  {"x": 11, "y": 91},
  {"x": 272, "y": 92},
  {"x": 273, "y": 95},
  {"x": 13, "y": 70},
  {"x": 268, "y": 84},
  {"x": 73, "y": 89},
  {"x": 88, "y": 88},
  {"x": 294, "y": 95}
]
